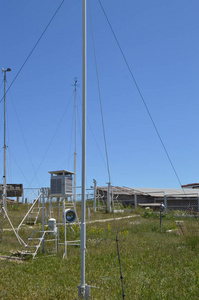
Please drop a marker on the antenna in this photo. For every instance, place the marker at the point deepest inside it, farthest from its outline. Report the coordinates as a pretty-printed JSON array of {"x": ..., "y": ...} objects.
[
  {"x": 75, "y": 153},
  {"x": 4, "y": 202},
  {"x": 5, "y": 146}
]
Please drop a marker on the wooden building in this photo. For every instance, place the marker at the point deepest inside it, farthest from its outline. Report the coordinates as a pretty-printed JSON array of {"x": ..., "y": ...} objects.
[
  {"x": 174, "y": 199},
  {"x": 13, "y": 191}
]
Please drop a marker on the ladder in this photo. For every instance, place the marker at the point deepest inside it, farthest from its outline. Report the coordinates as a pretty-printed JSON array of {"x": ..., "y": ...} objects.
[
  {"x": 117, "y": 206},
  {"x": 101, "y": 204},
  {"x": 33, "y": 217},
  {"x": 35, "y": 241},
  {"x": 33, "y": 244}
]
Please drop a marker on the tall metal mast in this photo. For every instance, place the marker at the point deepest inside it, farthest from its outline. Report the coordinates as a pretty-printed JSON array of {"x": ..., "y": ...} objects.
[
  {"x": 83, "y": 289},
  {"x": 75, "y": 154},
  {"x": 5, "y": 146}
]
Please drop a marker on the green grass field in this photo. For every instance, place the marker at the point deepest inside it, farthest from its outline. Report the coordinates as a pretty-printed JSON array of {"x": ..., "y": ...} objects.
[{"x": 155, "y": 264}]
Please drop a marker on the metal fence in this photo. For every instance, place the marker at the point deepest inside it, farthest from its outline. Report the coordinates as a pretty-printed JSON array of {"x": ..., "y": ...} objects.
[{"x": 186, "y": 204}]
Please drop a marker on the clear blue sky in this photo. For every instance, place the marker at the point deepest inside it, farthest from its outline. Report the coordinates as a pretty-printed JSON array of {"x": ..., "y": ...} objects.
[{"x": 161, "y": 43}]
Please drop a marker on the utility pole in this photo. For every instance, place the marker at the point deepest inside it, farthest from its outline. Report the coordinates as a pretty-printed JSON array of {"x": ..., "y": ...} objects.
[
  {"x": 83, "y": 289},
  {"x": 75, "y": 154},
  {"x": 5, "y": 146},
  {"x": 109, "y": 197}
]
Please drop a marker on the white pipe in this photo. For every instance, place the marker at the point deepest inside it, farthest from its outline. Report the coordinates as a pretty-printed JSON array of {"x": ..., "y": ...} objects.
[
  {"x": 18, "y": 237},
  {"x": 31, "y": 195},
  {"x": 83, "y": 210},
  {"x": 43, "y": 225},
  {"x": 65, "y": 243},
  {"x": 75, "y": 154}
]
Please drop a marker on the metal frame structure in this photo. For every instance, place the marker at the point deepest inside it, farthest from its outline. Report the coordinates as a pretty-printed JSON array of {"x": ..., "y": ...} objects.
[{"x": 63, "y": 194}]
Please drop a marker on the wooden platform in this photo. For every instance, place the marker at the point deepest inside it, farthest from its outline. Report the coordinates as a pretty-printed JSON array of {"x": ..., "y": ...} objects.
[{"x": 149, "y": 204}]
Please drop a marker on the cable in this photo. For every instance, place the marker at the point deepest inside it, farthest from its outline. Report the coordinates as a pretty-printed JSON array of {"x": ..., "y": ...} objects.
[
  {"x": 78, "y": 114},
  {"x": 24, "y": 139},
  {"x": 1, "y": 83},
  {"x": 116, "y": 231},
  {"x": 89, "y": 124},
  {"x": 52, "y": 138},
  {"x": 70, "y": 144},
  {"x": 79, "y": 126},
  {"x": 33, "y": 48},
  {"x": 140, "y": 93},
  {"x": 9, "y": 168},
  {"x": 58, "y": 168},
  {"x": 19, "y": 167},
  {"x": 99, "y": 96},
  {"x": 65, "y": 162},
  {"x": 118, "y": 251}
]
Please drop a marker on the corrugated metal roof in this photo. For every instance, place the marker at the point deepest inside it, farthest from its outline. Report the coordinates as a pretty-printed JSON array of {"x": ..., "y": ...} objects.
[
  {"x": 117, "y": 190},
  {"x": 156, "y": 192},
  {"x": 191, "y": 185},
  {"x": 153, "y": 192}
]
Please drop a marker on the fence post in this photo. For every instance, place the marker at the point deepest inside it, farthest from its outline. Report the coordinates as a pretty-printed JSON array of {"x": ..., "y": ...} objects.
[
  {"x": 198, "y": 202},
  {"x": 94, "y": 203},
  {"x": 89, "y": 213},
  {"x": 23, "y": 196},
  {"x": 135, "y": 201},
  {"x": 109, "y": 197},
  {"x": 165, "y": 203}
]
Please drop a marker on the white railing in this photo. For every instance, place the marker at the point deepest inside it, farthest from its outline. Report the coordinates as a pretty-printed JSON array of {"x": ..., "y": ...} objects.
[
  {"x": 35, "y": 201},
  {"x": 16, "y": 233}
]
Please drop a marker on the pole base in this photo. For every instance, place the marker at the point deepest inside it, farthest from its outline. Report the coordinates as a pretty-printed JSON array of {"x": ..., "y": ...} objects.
[{"x": 84, "y": 291}]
